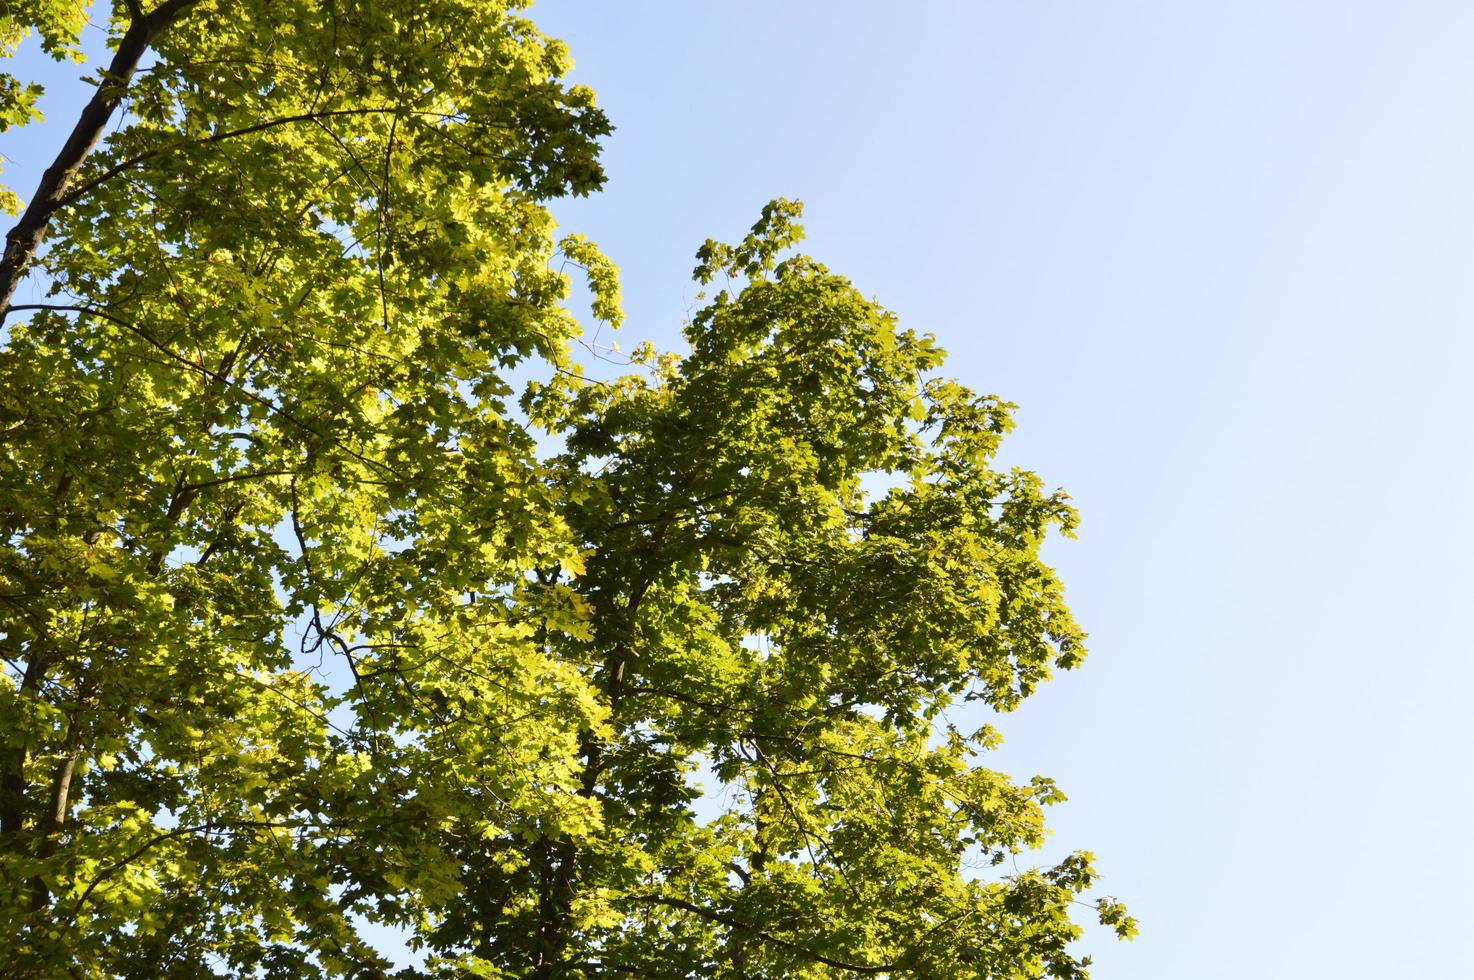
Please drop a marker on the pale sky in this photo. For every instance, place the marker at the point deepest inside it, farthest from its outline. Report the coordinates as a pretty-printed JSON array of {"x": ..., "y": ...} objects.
[{"x": 1220, "y": 255}]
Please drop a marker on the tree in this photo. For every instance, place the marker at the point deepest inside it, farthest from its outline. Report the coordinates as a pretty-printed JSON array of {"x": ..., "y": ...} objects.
[{"x": 312, "y": 619}]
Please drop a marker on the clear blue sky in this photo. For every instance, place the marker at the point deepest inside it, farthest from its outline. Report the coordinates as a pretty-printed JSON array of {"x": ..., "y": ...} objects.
[{"x": 1221, "y": 255}]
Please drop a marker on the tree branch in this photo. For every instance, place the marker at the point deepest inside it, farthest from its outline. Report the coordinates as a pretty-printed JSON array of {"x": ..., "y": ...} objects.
[{"x": 23, "y": 240}]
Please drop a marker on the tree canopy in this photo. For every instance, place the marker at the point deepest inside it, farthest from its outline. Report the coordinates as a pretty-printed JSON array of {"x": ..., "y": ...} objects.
[{"x": 317, "y": 619}]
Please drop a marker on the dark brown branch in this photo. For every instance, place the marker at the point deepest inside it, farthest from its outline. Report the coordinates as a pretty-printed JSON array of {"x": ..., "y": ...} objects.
[{"x": 23, "y": 240}]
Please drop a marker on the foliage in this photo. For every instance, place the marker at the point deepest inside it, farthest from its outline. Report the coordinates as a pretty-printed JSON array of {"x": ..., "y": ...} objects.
[{"x": 307, "y": 627}]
